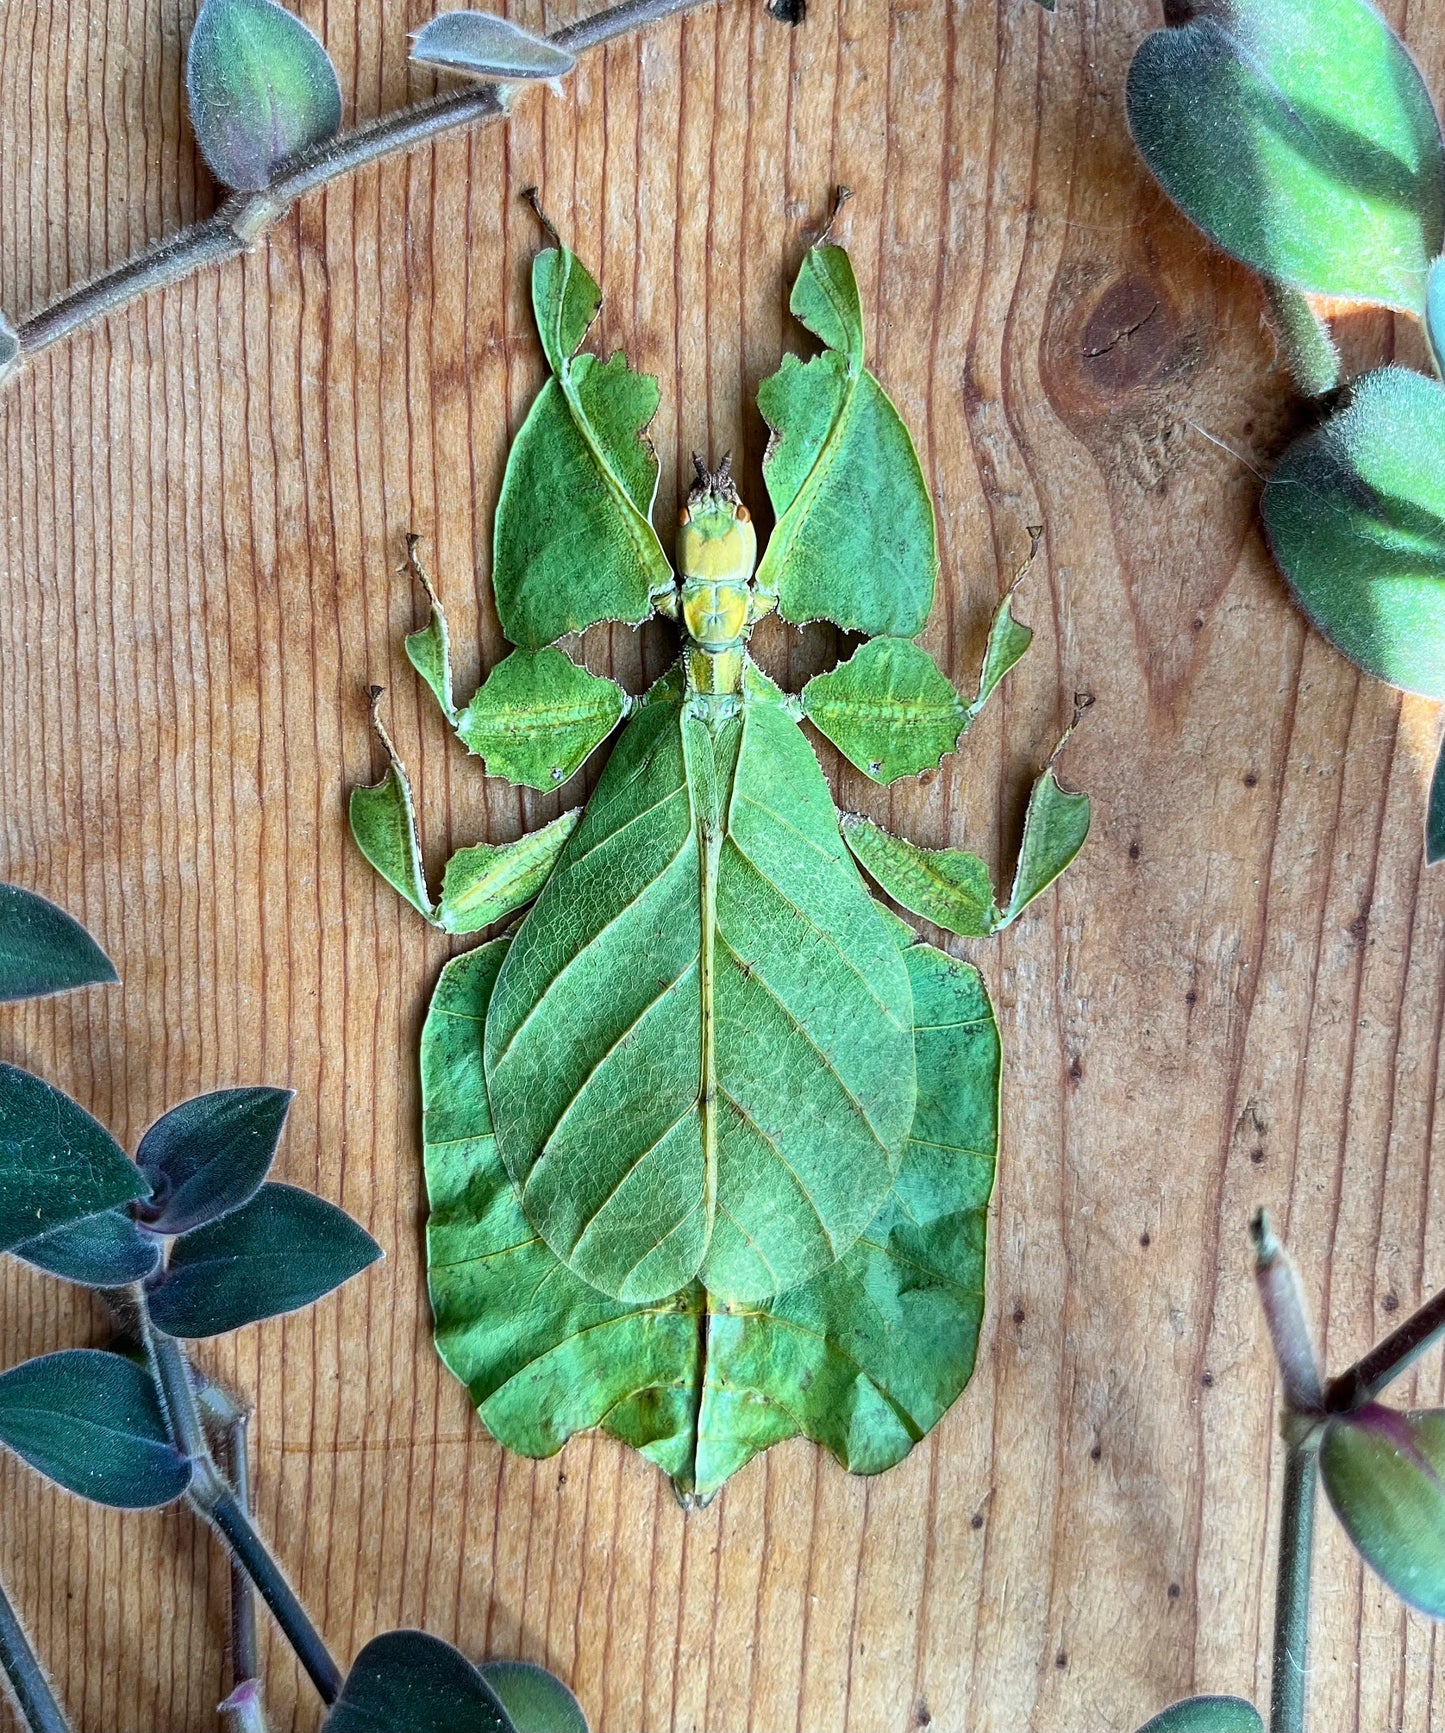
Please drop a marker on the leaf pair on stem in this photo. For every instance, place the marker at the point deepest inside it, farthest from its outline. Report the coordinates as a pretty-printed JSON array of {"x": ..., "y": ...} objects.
[{"x": 191, "y": 1239}]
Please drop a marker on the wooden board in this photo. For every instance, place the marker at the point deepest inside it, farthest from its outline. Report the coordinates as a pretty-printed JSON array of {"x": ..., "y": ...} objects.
[{"x": 1236, "y": 997}]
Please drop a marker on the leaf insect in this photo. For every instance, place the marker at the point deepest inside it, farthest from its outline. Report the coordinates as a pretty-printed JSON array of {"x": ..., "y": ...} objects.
[{"x": 710, "y": 1135}]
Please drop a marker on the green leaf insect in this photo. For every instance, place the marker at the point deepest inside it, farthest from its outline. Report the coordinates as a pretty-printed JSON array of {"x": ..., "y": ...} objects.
[
  {"x": 709, "y": 1136},
  {"x": 1300, "y": 136}
]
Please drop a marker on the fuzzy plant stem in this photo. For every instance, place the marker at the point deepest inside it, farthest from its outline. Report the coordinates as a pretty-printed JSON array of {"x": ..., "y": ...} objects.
[
  {"x": 243, "y": 219},
  {"x": 210, "y": 1494},
  {"x": 38, "y": 1707},
  {"x": 1303, "y": 1393}
]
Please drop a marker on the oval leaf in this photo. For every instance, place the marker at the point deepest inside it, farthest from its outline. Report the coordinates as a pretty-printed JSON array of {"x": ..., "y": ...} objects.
[
  {"x": 43, "y": 949},
  {"x": 261, "y": 89},
  {"x": 539, "y": 717},
  {"x": 92, "y": 1422},
  {"x": 57, "y": 1164},
  {"x": 282, "y": 1250},
  {"x": 537, "y": 1701},
  {"x": 481, "y": 46},
  {"x": 1299, "y": 135},
  {"x": 209, "y": 1155},
  {"x": 1383, "y": 1472},
  {"x": 101, "y": 1251},
  {"x": 855, "y": 541},
  {"x": 864, "y": 1359},
  {"x": 406, "y": 1679},
  {"x": 1356, "y": 517},
  {"x": 1207, "y": 1715}
]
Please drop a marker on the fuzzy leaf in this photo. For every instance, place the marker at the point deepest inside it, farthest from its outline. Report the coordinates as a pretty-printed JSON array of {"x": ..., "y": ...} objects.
[
  {"x": 261, "y": 89},
  {"x": 489, "y": 881},
  {"x": 887, "y": 709},
  {"x": 101, "y": 1251},
  {"x": 1435, "y": 816},
  {"x": 1207, "y": 1715},
  {"x": 209, "y": 1155},
  {"x": 57, "y": 1164},
  {"x": 537, "y": 1701},
  {"x": 43, "y": 949},
  {"x": 1356, "y": 517},
  {"x": 943, "y": 885},
  {"x": 634, "y": 1175},
  {"x": 92, "y": 1423},
  {"x": 1300, "y": 136},
  {"x": 539, "y": 717},
  {"x": 482, "y": 46},
  {"x": 282, "y": 1250},
  {"x": 855, "y": 540},
  {"x": 406, "y": 1679},
  {"x": 1384, "y": 1472},
  {"x": 574, "y": 542},
  {"x": 864, "y": 1358},
  {"x": 1055, "y": 827}
]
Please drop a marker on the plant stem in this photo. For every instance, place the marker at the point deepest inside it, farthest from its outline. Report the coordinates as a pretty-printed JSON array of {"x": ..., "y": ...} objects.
[
  {"x": 38, "y": 1707},
  {"x": 210, "y": 1494},
  {"x": 243, "y": 219},
  {"x": 1292, "y": 1589},
  {"x": 1284, "y": 1313},
  {"x": 244, "y": 1705},
  {"x": 1369, "y": 1375}
]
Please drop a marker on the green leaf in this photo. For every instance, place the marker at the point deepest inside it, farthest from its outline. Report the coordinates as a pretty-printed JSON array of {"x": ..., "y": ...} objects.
[
  {"x": 261, "y": 89},
  {"x": 1356, "y": 516},
  {"x": 430, "y": 650},
  {"x": 57, "y": 1164},
  {"x": 887, "y": 709},
  {"x": 383, "y": 821},
  {"x": 1435, "y": 816},
  {"x": 45, "y": 950},
  {"x": 539, "y": 717},
  {"x": 92, "y": 1423},
  {"x": 209, "y": 1155},
  {"x": 107, "y": 1250},
  {"x": 1207, "y": 1715},
  {"x": 1383, "y": 1472},
  {"x": 864, "y": 1359},
  {"x": 574, "y": 542},
  {"x": 481, "y": 46},
  {"x": 1299, "y": 135},
  {"x": 1055, "y": 827},
  {"x": 855, "y": 540},
  {"x": 536, "y": 1700},
  {"x": 406, "y": 1679},
  {"x": 943, "y": 885},
  {"x": 282, "y": 1250},
  {"x": 700, "y": 1053},
  {"x": 1007, "y": 642},
  {"x": 488, "y": 881}
]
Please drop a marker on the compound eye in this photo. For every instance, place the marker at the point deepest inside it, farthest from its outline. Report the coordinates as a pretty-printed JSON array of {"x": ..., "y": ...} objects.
[
  {"x": 742, "y": 515},
  {"x": 684, "y": 518}
]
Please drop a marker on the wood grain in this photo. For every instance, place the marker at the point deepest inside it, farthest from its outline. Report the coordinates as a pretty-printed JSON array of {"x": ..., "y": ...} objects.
[{"x": 1236, "y": 997}]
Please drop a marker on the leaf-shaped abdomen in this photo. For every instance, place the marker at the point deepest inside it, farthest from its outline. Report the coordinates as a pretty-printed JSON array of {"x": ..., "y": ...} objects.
[{"x": 643, "y": 1151}]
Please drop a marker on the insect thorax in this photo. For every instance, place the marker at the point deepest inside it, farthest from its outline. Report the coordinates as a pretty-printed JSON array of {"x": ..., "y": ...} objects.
[{"x": 717, "y": 599}]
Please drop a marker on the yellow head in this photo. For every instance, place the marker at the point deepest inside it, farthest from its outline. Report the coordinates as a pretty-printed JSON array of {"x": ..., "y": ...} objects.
[{"x": 717, "y": 549}]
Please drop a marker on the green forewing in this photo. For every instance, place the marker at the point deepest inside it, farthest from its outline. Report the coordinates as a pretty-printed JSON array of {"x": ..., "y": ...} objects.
[
  {"x": 1301, "y": 137},
  {"x": 1356, "y": 516},
  {"x": 574, "y": 542},
  {"x": 539, "y": 717},
  {"x": 702, "y": 1067},
  {"x": 887, "y": 709},
  {"x": 864, "y": 1358},
  {"x": 855, "y": 540}
]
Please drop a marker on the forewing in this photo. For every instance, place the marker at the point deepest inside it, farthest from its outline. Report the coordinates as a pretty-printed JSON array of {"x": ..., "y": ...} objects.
[
  {"x": 814, "y": 1083},
  {"x": 855, "y": 541},
  {"x": 594, "y": 1041}
]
